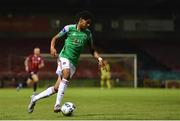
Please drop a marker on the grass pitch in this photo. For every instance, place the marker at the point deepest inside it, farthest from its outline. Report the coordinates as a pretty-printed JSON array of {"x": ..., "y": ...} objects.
[{"x": 94, "y": 103}]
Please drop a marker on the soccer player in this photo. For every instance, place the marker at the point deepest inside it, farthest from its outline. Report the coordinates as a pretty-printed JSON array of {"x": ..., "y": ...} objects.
[
  {"x": 32, "y": 64},
  {"x": 77, "y": 37},
  {"x": 106, "y": 75}
]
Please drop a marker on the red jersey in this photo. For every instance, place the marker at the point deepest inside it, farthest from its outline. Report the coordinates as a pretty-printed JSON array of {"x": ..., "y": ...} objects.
[{"x": 34, "y": 62}]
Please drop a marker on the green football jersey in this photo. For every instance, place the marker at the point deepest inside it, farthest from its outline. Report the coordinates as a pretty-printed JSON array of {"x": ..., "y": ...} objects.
[{"x": 75, "y": 42}]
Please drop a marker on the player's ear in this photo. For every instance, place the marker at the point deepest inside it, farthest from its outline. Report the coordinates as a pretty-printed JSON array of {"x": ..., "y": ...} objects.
[{"x": 80, "y": 19}]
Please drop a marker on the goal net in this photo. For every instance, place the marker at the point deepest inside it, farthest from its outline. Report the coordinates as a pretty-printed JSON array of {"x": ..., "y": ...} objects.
[{"x": 123, "y": 69}]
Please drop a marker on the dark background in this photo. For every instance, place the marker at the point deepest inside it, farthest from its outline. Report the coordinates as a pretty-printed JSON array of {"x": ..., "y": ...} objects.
[
  {"x": 96, "y": 6},
  {"x": 156, "y": 50}
]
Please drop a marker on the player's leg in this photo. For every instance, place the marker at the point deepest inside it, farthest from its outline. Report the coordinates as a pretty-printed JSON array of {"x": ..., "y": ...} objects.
[
  {"x": 62, "y": 86},
  {"x": 35, "y": 81},
  {"x": 29, "y": 81},
  {"x": 108, "y": 81},
  {"x": 46, "y": 93},
  {"x": 67, "y": 71},
  {"x": 20, "y": 84},
  {"x": 102, "y": 81}
]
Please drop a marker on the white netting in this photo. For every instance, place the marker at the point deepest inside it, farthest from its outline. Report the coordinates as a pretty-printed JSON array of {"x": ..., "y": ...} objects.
[{"x": 123, "y": 68}]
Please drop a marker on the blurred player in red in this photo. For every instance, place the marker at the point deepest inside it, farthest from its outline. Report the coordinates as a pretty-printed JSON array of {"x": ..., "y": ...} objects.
[{"x": 33, "y": 63}]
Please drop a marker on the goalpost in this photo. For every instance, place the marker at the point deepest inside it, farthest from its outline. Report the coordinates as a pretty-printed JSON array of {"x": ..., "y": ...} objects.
[
  {"x": 123, "y": 66},
  {"x": 123, "y": 69}
]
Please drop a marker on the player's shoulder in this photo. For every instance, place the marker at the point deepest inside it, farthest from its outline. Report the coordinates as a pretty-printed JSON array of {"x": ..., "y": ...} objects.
[
  {"x": 30, "y": 56},
  {"x": 88, "y": 32},
  {"x": 40, "y": 56},
  {"x": 70, "y": 26}
]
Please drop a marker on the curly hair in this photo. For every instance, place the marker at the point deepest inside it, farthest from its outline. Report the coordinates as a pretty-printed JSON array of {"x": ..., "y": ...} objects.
[{"x": 85, "y": 15}]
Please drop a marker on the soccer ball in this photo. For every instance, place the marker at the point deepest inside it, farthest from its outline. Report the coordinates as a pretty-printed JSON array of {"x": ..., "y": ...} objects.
[{"x": 68, "y": 108}]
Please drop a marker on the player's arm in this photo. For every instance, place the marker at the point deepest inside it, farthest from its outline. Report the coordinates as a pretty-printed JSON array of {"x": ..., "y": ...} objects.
[
  {"x": 26, "y": 64},
  {"x": 53, "y": 50},
  {"x": 94, "y": 52},
  {"x": 97, "y": 56},
  {"x": 41, "y": 65}
]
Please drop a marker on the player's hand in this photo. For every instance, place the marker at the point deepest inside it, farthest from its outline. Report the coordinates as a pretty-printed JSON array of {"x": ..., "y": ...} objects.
[
  {"x": 101, "y": 63},
  {"x": 53, "y": 52},
  {"x": 41, "y": 65}
]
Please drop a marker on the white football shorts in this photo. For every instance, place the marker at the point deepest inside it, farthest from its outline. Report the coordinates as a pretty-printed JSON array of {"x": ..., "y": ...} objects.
[{"x": 63, "y": 63}]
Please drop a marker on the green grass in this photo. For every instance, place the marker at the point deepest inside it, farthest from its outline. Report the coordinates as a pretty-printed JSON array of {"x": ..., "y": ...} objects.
[{"x": 93, "y": 103}]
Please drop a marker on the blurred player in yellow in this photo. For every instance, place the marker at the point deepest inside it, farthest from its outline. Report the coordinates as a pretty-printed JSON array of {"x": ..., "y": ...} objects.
[{"x": 106, "y": 75}]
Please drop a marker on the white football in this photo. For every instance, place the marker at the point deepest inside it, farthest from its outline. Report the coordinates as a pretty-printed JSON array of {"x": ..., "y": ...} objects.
[{"x": 68, "y": 108}]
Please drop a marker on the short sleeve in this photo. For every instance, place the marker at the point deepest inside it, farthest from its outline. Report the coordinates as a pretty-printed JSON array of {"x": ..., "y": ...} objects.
[{"x": 63, "y": 31}]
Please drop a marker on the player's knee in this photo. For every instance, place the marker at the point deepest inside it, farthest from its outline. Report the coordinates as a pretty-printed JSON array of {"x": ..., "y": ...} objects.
[
  {"x": 29, "y": 81},
  {"x": 66, "y": 74},
  {"x": 35, "y": 81},
  {"x": 66, "y": 77},
  {"x": 55, "y": 89},
  {"x": 35, "y": 77}
]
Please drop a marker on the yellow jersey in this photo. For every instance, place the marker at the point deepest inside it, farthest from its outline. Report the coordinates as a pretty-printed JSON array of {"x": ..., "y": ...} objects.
[{"x": 105, "y": 70}]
